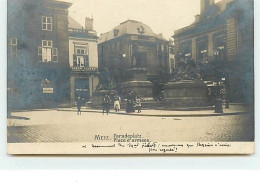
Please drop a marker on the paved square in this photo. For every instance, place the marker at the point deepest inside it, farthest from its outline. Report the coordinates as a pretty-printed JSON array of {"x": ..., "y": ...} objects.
[{"x": 66, "y": 126}]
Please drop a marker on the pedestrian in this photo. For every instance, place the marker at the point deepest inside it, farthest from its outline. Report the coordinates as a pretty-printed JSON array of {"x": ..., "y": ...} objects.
[
  {"x": 106, "y": 104},
  {"x": 133, "y": 105},
  {"x": 128, "y": 106},
  {"x": 117, "y": 101},
  {"x": 79, "y": 104},
  {"x": 138, "y": 104}
]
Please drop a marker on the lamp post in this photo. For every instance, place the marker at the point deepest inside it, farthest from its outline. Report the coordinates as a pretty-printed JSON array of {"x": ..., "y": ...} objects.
[
  {"x": 219, "y": 89},
  {"x": 92, "y": 86},
  {"x": 227, "y": 91},
  {"x": 218, "y": 101}
]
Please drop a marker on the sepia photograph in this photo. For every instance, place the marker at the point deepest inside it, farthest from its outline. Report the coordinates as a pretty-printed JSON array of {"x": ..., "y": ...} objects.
[{"x": 130, "y": 77}]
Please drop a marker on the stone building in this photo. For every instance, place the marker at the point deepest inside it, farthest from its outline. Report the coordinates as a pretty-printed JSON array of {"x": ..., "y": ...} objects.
[
  {"x": 171, "y": 56},
  {"x": 136, "y": 57},
  {"x": 221, "y": 41},
  {"x": 83, "y": 59},
  {"x": 38, "y": 53}
]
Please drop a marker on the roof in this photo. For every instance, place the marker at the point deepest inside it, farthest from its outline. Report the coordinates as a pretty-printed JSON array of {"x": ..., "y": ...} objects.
[
  {"x": 223, "y": 4},
  {"x": 66, "y": 4},
  {"x": 129, "y": 27},
  {"x": 203, "y": 24},
  {"x": 74, "y": 24}
]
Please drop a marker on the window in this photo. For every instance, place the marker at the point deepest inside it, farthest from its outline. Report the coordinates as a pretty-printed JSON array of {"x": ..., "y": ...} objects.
[
  {"x": 202, "y": 50},
  {"x": 13, "y": 47},
  {"x": 13, "y": 41},
  {"x": 220, "y": 47},
  {"x": 80, "y": 57},
  {"x": 47, "y": 23},
  {"x": 81, "y": 51},
  {"x": 186, "y": 50},
  {"x": 46, "y": 53},
  {"x": 80, "y": 61},
  {"x": 47, "y": 43}
]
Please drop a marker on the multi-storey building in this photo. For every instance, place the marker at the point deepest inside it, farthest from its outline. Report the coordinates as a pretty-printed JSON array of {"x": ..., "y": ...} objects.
[
  {"x": 38, "y": 53},
  {"x": 136, "y": 57},
  {"x": 221, "y": 42},
  {"x": 83, "y": 57},
  {"x": 171, "y": 56}
]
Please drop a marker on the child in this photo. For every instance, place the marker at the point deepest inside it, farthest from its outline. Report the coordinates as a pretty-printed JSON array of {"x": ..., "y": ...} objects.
[{"x": 138, "y": 104}]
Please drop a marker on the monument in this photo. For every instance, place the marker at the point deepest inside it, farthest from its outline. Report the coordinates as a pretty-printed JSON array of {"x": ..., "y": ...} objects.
[{"x": 186, "y": 88}]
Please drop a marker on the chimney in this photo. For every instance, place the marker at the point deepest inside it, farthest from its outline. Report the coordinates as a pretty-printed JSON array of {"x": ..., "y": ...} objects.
[
  {"x": 89, "y": 24},
  {"x": 205, "y": 6},
  {"x": 197, "y": 18}
]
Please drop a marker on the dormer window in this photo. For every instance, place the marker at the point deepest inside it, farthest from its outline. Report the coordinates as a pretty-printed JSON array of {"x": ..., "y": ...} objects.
[{"x": 46, "y": 23}]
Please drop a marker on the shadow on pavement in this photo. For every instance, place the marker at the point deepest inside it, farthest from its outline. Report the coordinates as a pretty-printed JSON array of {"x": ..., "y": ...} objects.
[{"x": 18, "y": 117}]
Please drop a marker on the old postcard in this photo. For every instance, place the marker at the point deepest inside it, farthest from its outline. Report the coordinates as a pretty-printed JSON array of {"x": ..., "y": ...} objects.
[{"x": 130, "y": 77}]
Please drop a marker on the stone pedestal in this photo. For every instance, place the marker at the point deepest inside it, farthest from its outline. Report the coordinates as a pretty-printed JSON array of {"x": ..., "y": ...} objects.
[
  {"x": 98, "y": 96},
  {"x": 144, "y": 89},
  {"x": 138, "y": 83},
  {"x": 186, "y": 93}
]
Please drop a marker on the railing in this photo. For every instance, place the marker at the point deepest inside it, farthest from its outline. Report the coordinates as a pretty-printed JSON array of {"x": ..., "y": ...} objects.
[
  {"x": 84, "y": 69},
  {"x": 82, "y": 31}
]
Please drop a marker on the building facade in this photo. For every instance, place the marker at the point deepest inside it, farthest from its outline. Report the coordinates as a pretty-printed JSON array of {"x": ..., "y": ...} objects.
[
  {"x": 171, "y": 56},
  {"x": 83, "y": 57},
  {"x": 221, "y": 41},
  {"x": 135, "y": 56},
  {"x": 38, "y": 53}
]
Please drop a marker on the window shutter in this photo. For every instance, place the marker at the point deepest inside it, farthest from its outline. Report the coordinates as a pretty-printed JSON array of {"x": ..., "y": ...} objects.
[
  {"x": 39, "y": 53},
  {"x": 74, "y": 60},
  {"x": 86, "y": 61},
  {"x": 55, "y": 54},
  {"x": 39, "y": 50}
]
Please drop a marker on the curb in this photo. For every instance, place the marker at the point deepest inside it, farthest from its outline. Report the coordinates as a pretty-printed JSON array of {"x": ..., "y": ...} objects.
[{"x": 158, "y": 115}]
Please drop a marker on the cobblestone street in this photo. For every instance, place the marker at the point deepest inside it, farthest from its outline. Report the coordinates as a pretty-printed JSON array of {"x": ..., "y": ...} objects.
[{"x": 67, "y": 126}]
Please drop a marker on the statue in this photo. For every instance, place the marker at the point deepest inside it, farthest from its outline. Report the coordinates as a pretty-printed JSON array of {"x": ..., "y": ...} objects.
[{"x": 187, "y": 70}]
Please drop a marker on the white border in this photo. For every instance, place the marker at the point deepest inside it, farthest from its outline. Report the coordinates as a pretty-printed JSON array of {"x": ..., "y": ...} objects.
[{"x": 100, "y": 162}]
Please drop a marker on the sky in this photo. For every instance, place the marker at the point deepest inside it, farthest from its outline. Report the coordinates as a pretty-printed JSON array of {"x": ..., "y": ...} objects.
[{"x": 163, "y": 16}]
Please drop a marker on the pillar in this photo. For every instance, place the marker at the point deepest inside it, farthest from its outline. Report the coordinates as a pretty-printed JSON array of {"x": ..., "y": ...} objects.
[
  {"x": 210, "y": 46},
  {"x": 194, "y": 49}
]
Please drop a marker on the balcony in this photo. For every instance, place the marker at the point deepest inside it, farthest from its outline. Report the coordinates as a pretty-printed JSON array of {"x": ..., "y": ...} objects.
[{"x": 82, "y": 33}]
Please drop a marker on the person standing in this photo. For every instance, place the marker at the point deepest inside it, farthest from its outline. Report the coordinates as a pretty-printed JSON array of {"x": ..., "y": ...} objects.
[
  {"x": 79, "y": 104},
  {"x": 117, "y": 101},
  {"x": 106, "y": 104},
  {"x": 138, "y": 104}
]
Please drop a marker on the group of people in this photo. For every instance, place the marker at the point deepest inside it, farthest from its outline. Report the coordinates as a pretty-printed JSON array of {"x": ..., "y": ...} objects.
[
  {"x": 133, "y": 103},
  {"x": 106, "y": 103}
]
